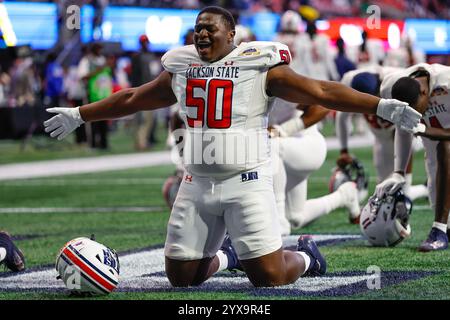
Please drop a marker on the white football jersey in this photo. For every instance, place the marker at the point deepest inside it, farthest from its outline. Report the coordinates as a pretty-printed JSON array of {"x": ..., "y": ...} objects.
[
  {"x": 224, "y": 105},
  {"x": 436, "y": 115},
  {"x": 438, "y": 111},
  {"x": 439, "y": 77}
]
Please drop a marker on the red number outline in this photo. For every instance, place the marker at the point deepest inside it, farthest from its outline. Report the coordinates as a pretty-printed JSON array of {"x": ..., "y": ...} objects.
[
  {"x": 285, "y": 56},
  {"x": 196, "y": 102}
]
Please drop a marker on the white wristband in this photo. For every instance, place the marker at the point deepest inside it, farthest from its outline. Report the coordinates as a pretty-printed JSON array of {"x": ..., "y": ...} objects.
[
  {"x": 78, "y": 118},
  {"x": 292, "y": 126}
]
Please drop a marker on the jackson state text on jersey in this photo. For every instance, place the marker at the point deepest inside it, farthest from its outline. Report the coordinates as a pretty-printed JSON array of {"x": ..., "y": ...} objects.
[
  {"x": 437, "y": 114},
  {"x": 224, "y": 106}
]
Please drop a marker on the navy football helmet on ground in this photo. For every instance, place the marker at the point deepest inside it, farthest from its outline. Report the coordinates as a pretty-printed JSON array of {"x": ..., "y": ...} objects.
[
  {"x": 385, "y": 222},
  {"x": 353, "y": 171}
]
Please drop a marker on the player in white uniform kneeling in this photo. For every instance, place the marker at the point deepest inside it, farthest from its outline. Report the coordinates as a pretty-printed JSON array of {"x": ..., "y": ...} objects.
[
  {"x": 368, "y": 80},
  {"x": 299, "y": 149},
  {"x": 225, "y": 93},
  {"x": 426, "y": 87}
]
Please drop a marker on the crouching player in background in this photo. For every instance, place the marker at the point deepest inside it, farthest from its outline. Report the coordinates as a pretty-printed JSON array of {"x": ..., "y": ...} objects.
[{"x": 425, "y": 87}]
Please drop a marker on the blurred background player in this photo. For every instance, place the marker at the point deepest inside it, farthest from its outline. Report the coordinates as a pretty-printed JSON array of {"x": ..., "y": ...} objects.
[
  {"x": 76, "y": 93},
  {"x": 10, "y": 255},
  {"x": 342, "y": 61},
  {"x": 144, "y": 68},
  {"x": 314, "y": 54},
  {"x": 426, "y": 87},
  {"x": 53, "y": 84},
  {"x": 97, "y": 74},
  {"x": 289, "y": 34},
  {"x": 299, "y": 149},
  {"x": 368, "y": 80},
  {"x": 405, "y": 55}
]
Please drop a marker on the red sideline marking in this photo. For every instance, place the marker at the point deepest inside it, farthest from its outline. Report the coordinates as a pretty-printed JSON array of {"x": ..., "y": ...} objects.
[{"x": 88, "y": 270}]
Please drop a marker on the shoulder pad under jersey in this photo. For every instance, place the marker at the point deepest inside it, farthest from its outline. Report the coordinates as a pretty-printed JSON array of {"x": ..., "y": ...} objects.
[
  {"x": 179, "y": 59},
  {"x": 265, "y": 53}
]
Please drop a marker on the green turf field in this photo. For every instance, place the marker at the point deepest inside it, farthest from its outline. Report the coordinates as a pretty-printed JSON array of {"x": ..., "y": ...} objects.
[{"x": 44, "y": 233}]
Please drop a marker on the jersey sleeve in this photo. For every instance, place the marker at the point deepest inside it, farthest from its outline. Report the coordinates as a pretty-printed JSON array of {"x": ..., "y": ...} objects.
[
  {"x": 174, "y": 61},
  {"x": 265, "y": 53}
]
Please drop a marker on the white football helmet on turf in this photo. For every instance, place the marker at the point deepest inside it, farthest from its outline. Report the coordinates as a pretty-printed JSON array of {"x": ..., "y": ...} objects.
[
  {"x": 88, "y": 267},
  {"x": 384, "y": 222}
]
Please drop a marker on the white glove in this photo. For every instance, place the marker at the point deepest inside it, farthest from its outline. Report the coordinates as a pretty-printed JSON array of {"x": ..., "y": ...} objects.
[
  {"x": 390, "y": 185},
  {"x": 419, "y": 128},
  {"x": 399, "y": 113},
  {"x": 67, "y": 120}
]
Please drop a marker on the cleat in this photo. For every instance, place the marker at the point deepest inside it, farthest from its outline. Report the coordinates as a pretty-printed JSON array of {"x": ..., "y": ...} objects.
[
  {"x": 233, "y": 261},
  {"x": 349, "y": 193},
  {"x": 437, "y": 240},
  {"x": 318, "y": 264},
  {"x": 14, "y": 259}
]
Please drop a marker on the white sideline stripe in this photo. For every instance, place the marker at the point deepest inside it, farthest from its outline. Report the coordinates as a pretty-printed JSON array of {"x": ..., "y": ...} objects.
[
  {"x": 119, "y": 162},
  {"x": 83, "y": 165},
  {"x": 114, "y": 209},
  {"x": 135, "y": 266},
  {"x": 81, "y": 209},
  {"x": 84, "y": 182}
]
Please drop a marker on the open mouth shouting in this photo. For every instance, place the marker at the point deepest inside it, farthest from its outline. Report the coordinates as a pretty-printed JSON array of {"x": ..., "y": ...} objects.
[{"x": 203, "y": 47}]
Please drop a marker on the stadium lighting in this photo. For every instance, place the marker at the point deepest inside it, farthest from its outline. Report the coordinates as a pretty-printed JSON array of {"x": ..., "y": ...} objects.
[
  {"x": 165, "y": 30},
  {"x": 351, "y": 34},
  {"x": 6, "y": 27},
  {"x": 394, "y": 36}
]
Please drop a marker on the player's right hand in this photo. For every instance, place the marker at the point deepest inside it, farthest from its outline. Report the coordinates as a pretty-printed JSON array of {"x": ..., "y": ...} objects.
[
  {"x": 344, "y": 160},
  {"x": 399, "y": 113},
  {"x": 390, "y": 185},
  {"x": 66, "y": 121}
]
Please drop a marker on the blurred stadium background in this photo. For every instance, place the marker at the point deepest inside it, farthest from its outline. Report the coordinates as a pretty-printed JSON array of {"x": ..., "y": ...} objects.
[{"x": 39, "y": 68}]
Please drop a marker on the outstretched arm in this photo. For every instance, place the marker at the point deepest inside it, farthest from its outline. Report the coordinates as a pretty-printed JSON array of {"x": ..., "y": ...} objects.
[
  {"x": 284, "y": 83},
  {"x": 313, "y": 114},
  {"x": 153, "y": 95}
]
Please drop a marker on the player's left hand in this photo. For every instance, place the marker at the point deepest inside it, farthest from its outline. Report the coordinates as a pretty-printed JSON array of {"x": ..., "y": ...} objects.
[
  {"x": 66, "y": 121},
  {"x": 390, "y": 185},
  {"x": 399, "y": 113}
]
